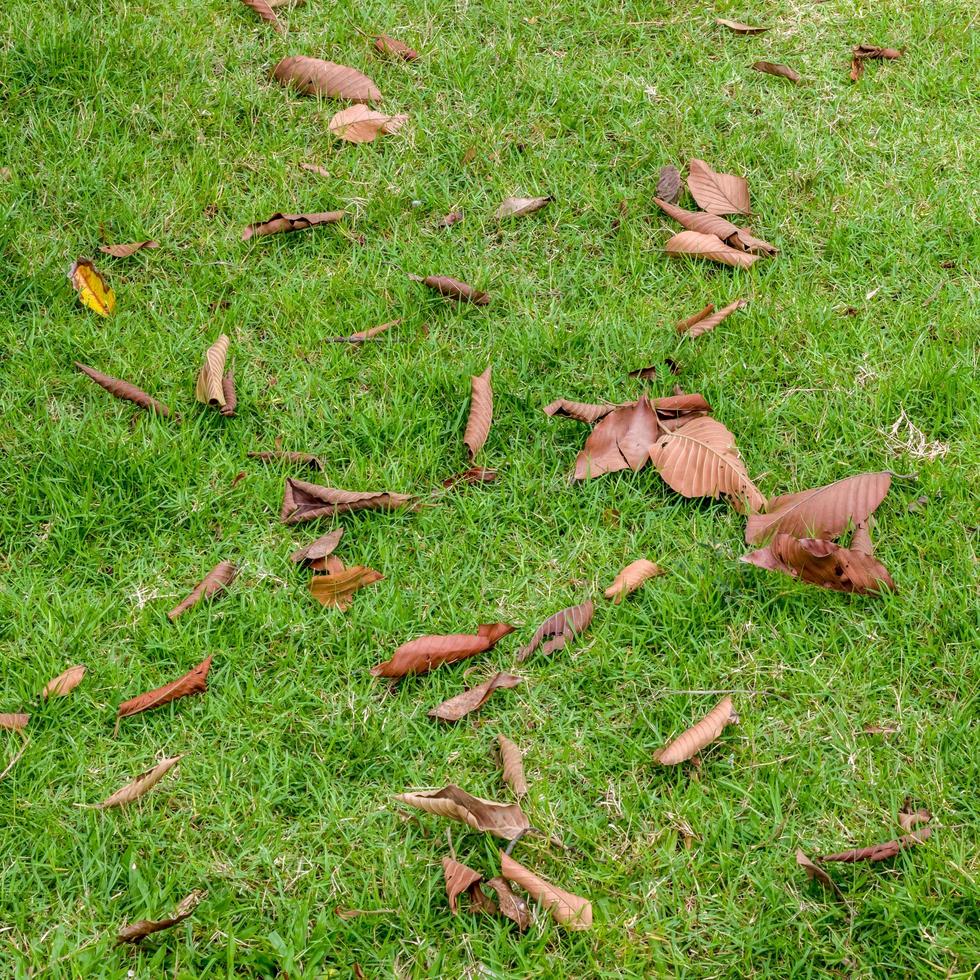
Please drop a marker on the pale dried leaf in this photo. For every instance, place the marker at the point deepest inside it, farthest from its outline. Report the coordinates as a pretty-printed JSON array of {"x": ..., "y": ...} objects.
[
  {"x": 209, "y": 388},
  {"x": 64, "y": 683},
  {"x": 709, "y": 247},
  {"x": 474, "y": 698},
  {"x": 631, "y": 578},
  {"x": 142, "y": 784},
  {"x": 504, "y": 820},
  {"x": 315, "y": 168},
  {"x": 739, "y": 28},
  {"x": 712, "y": 320},
  {"x": 359, "y": 124},
  {"x": 13, "y": 721},
  {"x": 698, "y": 736},
  {"x": 517, "y": 207},
  {"x": 716, "y": 192},
  {"x": 127, "y": 249},
  {"x": 622, "y": 440},
  {"x": 512, "y": 764},
  {"x": 567, "y": 909}
]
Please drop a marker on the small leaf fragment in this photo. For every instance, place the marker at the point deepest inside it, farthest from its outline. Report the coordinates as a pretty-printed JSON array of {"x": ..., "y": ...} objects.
[
  {"x": 698, "y": 736},
  {"x": 14, "y": 721},
  {"x": 281, "y": 223},
  {"x": 64, "y": 683},
  {"x": 517, "y": 207},
  {"x": 217, "y": 580},
  {"x": 92, "y": 289},
  {"x": 631, "y": 578},
  {"x": 141, "y": 785},
  {"x": 369, "y": 334},
  {"x": 473, "y": 698},
  {"x": 566, "y": 909},
  {"x": 558, "y": 629},
  {"x": 739, "y": 28},
  {"x": 323, "y": 546},
  {"x": 447, "y": 221},
  {"x": 130, "y": 248},
  {"x": 314, "y": 168},
  {"x": 136, "y": 931},
  {"x": 505, "y": 820},
  {"x": 475, "y": 474},
  {"x": 815, "y": 873},
  {"x": 512, "y": 766},
  {"x": 283, "y": 456},
  {"x": 780, "y": 71}
]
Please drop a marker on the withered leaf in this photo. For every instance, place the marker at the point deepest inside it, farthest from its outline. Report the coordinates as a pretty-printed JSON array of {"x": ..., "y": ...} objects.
[
  {"x": 781, "y": 71},
  {"x": 824, "y": 512},
  {"x": 557, "y": 630},
  {"x": 195, "y": 681},
  {"x": 474, "y": 698},
  {"x": 644, "y": 373},
  {"x": 142, "y": 784},
  {"x": 280, "y": 223},
  {"x": 815, "y": 873},
  {"x": 136, "y": 931},
  {"x": 631, "y": 578},
  {"x": 218, "y": 579},
  {"x": 454, "y": 289},
  {"x": 739, "y": 28},
  {"x": 475, "y": 474},
  {"x": 228, "y": 390},
  {"x": 677, "y": 410},
  {"x": 447, "y": 221},
  {"x": 262, "y": 8},
  {"x": 14, "y": 721},
  {"x": 64, "y": 683},
  {"x": 517, "y": 207},
  {"x": 822, "y": 563},
  {"x": 459, "y": 879},
  {"x": 209, "y": 388},
  {"x": 698, "y": 736},
  {"x": 306, "y": 501},
  {"x": 881, "y": 852},
  {"x": 669, "y": 184},
  {"x": 869, "y": 52},
  {"x": 510, "y": 905},
  {"x": 880, "y": 729},
  {"x": 130, "y": 248},
  {"x": 124, "y": 390},
  {"x": 338, "y": 588},
  {"x": 713, "y": 224},
  {"x": 908, "y": 818},
  {"x": 359, "y": 124},
  {"x": 282, "y": 456},
  {"x": 709, "y": 247},
  {"x": 92, "y": 288},
  {"x": 504, "y": 820},
  {"x": 394, "y": 48},
  {"x": 323, "y": 546},
  {"x": 315, "y": 168},
  {"x": 512, "y": 764},
  {"x": 428, "y": 652},
  {"x": 622, "y": 440},
  {"x": 311, "y": 76},
  {"x": 580, "y": 411},
  {"x": 566, "y": 909},
  {"x": 369, "y": 334},
  {"x": 481, "y": 413},
  {"x": 684, "y": 325},
  {"x": 701, "y": 460},
  {"x": 716, "y": 192},
  {"x": 711, "y": 321}
]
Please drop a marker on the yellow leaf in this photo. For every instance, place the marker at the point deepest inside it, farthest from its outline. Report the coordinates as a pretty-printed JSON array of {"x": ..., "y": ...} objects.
[{"x": 92, "y": 288}]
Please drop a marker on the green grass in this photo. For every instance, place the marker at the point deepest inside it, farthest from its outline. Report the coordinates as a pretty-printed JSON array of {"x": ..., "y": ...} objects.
[{"x": 159, "y": 120}]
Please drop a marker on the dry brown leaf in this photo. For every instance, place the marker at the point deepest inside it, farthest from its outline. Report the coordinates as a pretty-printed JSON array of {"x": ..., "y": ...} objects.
[
  {"x": 209, "y": 388},
  {"x": 481, "y": 413},
  {"x": 824, "y": 512},
  {"x": 262, "y": 8},
  {"x": 311, "y": 76},
  {"x": 92, "y": 288},
  {"x": 282, "y": 456},
  {"x": 517, "y": 207},
  {"x": 815, "y": 873},
  {"x": 909, "y": 819},
  {"x": 447, "y": 221},
  {"x": 880, "y": 729},
  {"x": 505, "y": 820},
  {"x": 359, "y": 124},
  {"x": 701, "y": 460},
  {"x": 622, "y": 440},
  {"x": 780, "y": 71},
  {"x": 739, "y": 28},
  {"x": 428, "y": 652},
  {"x": 710, "y": 322},
  {"x": 459, "y": 879},
  {"x": 669, "y": 184},
  {"x": 362, "y": 335},
  {"x": 709, "y": 247},
  {"x": 136, "y": 931},
  {"x": 512, "y": 764},
  {"x": 130, "y": 248},
  {"x": 454, "y": 289},
  {"x": 142, "y": 784},
  {"x": 475, "y": 474},
  {"x": 677, "y": 410},
  {"x": 14, "y": 721},
  {"x": 323, "y": 546},
  {"x": 704, "y": 223},
  {"x": 580, "y": 411},
  {"x": 280, "y": 223},
  {"x": 195, "y": 681},
  {"x": 338, "y": 588},
  {"x": 557, "y": 630},
  {"x": 228, "y": 390},
  {"x": 394, "y": 48},
  {"x": 644, "y": 373},
  {"x": 861, "y": 539},
  {"x": 218, "y": 579},
  {"x": 684, "y": 325},
  {"x": 822, "y": 563},
  {"x": 881, "y": 852},
  {"x": 306, "y": 501},
  {"x": 315, "y": 168},
  {"x": 870, "y": 52},
  {"x": 474, "y": 698},
  {"x": 124, "y": 390},
  {"x": 510, "y": 905},
  {"x": 64, "y": 683},
  {"x": 631, "y": 578},
  {"x": 716, "y": 192},
  {"x": 565, "y": 908},
  {"x": 698, "y": 736}
]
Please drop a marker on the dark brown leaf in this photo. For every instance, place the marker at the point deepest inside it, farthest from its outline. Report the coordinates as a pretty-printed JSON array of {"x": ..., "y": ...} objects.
[
  {"x": 323, "y": 546},
  {"x": 280, "y": 223},
  {"x": 337, "y": 588},
  {"x": 502, "y": 819},
  {"x": 881, "y": 852},
  {"x": 698, "y": 736},
  {"x": 475, "y": 474},
  {"x": 195, "y": 681},
  {"x": 454, "y": 289},
  {"x": 228, "y": 390},
  {"x": 123, "y": 389},
  {"x": 311, "y": 76},
  {"x": 136, "y": 931},
  {"x": 428, "y": 652},
  {"x": 262, "y": 8},
  {"x": 394, "y": 48},
  {"x": 481, "y": 413},
  {"x": 622, "y": 440},
  {"x": 282, "y": 456},
  {"x": 130, "y": 248},
  {"x": 780, "y": 71},
  {"x": 511, "y": 906},
  {"x": 669, "y": 184},
  {"x": 472, "y": 699},
  {"x": 307, "y": 501},
  {"x": 557, "y": 630},
  {"x": 218, "y": 579}
]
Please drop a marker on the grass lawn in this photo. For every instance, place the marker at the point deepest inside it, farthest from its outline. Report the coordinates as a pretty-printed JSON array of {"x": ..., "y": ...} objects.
[{"x": 157, "y": 120}]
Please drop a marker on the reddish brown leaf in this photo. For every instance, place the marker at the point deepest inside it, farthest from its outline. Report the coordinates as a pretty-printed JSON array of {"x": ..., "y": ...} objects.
[
  {"x": 698, "y": 736},
  {"x": 481, "y": 413},
  {"x": 228, "y": 390},
  {"x": 517, "y": 207},
  {"x": 323, "y": 546},
  {"x": 861, "y": 539},
  {"x": 136, "y": 931},
  {"x": 14, "y": 722},
  {"x": 280, "y": 223},
  {"x": 142, "y": 784},
  {"x": 622, "y": 440},
  {"x": 713, "y": 224},
  {"x": 881, "y": 852},
  {"x": 130, "y": 248},
  {"x": 428, "y": 652},
  {"x": 124, "y": 390},
  {"x": 748, "y": 242},
  {"x": 908, "y": 818},
  {"x": 459, "y": 879},
  {"x": 262, "y": 8},
  {"x": 710, "y": 322},
  {"x": 282, "y": 456},
  {"x": 557, "y": 630},
  {"x": 218, "y": 579},
  {"x": 454, "y": 289},
  {"x": 631, "y": 578},
  {"x": 472, "y": 699},
  {"x": 815, "y": 873},
  {"x": 505, "y": 820},
  {"x": 311, "y": 76},
  {"x": 780, "y": 71},
  {"x": 580, "y": 411},
  {"x": 677, "y": 410},
  {"x": 454, "y": 217},
  {"x": 510, "y": 905},
  {"x": 209, "y": 389},
  {"x": 394, "y": 48},
  {"x": 682, "y": 326},
  {"x": 475, "y": 474},
  {"x": 716, "y": 192},
  {"x": 306, "y": 501},
  {"x": 738, "y": 28},
  {"x": 565, "y": 908},
  {"x": 195, "y": 681},
  {"x": 362, "y": 335},
  {"x": 644, "y": 373},
  {"x": 512, "y": 766},
  {"x": 709, "y": 247},
  {"x": 359, "y": 124},
  {"x": 64, "y": 683},
  {"x": 338, "y": 588},
  {"x": 669, "y": 184}
]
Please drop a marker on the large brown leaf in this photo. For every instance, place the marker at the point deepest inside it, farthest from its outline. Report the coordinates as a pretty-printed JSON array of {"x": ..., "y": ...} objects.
[
  {"x": 461, "y": 292},
  {"x": 517, "y": 207},
  {"x": 669, "y": 185},
  {"x": 307, "y": 501},
  {"x": 824, "y": 512},
  {"x": 780, "y": 71},
  {"x": 621, "y": 441},
  {"x": 338, "y": 588},
  {"x": 505, "y": 820},
  {"x": 481, "y": 413},
  {"x": 284, "y": 456},
  {"x": 262, "y": 8},
  {"x": 475, "y": 697},
  {"x": 195, "y": 681},
  {"x": 631, "y": 578},
  {"x": 64, "y": 683},
  {"x": 567, "y": 909},
  {"x": 136, "y": 931},
  {"x": 129, "y": 248},
  {"x": 557, "y": 630},
  {"x": 394, "y": 48},
  {"x": 311, "y": 76},
  {"x": 701, "y": 460},
  {"x": 428, "y": 652},
  {"x": 709, "y": 247},
  {"x": 319, "y": 549},
  {"x": 713, "y": 224},
  {"x": 218, "y": 579},
  {"x": 280, "y": 223},
  {"x": 698, "y": 736},
  {"x": 123, "y": 389},
  {"x": 359, "y": 124},
  {"x": 580, "y": 411},
  {"x": 822, "y": 563},
  {"x": 512, "y": 766},
  {"x": 14, "y": 721},
  {"x": 716, "y": 192},
  {"x": 142, "y": 784},
  {"x": 712, "y": 320},
  {"x": 209, "y": 389}
]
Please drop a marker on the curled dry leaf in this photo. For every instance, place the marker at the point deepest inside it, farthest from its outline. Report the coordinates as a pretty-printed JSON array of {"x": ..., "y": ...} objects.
[
  {"x": 701, "y": 460},
  {"x": 510, "y": 905},
  {"x": 359, "y": 124},
  {"x": 565, "y": 908},
  {"x": 869, "y": 52},
  {"x": 262, "y": 8},
  {"x": 780, "y": 71},
  {"x": 715, "y": 192},
  {"x": 481, "y": 413},
  {"x": 306, "y": 501},
  {"x": 580, "y": 411},
  {"x": 698, "y": 736},
  {"x": 822, "y": 563},
  {"x": 710, "y": 322},
  {"x": 281, "y": 223},
  {"x": 739, "y": 28},
  {"x": 713, "y": 224},
  {"x": 228, "y": 390},
  {"x": 64, "y": 683},
  {"x": 474, "y": 698},
  {"x": 362, "y": 335},
  {"x": 631, "y": 578},
  {"x": 459, "y": 879},
  {"x": 505, "y": 820},
  {"x": 91, "y": 287},
  {"x": 136, "y": 931},
  {"x": 394, "y": 48},
  {"x": 141, "y": 785},
  {"x": 124, "y": 390},
  {"x": 130, "y": 248},
  {"x": 475, "y": 474},
  {"x": 669, "y": 184},
  {"x": 323, "y": 546},
  {"x": 815, "y": 873},
  {"x": 282, "y": 456},
  {"x": 824, "y": 512},
  {"x": 709, "y": 247},
  {"x": 428, "y": 652},
  {"x": 557, "y": 630},
  {"x": 311, "y": 76},
  {"x": 209, "y": 388},
  {"x": 622, "y": 440},
  {"x": 454, "y": 289},
  {"x": 338, "y": 588},
  {"x": 881, "y": 852},
  {"x": 682, "y": 326},
  {"x": 517, "y": 207},
  {"x": 14, "y": 721},
  {"x": 195, "y": 681},
  {"x": 677, "y": 410},
  {"x": 512, "y": 764},
  {"x": 218, "y": 579}
]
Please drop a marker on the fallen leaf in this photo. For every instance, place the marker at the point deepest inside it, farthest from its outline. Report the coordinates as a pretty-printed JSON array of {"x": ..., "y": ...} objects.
[
  {"x": 359, "y": 124},
  {"x": 918, "y": 504},
  {"x": 781, "y": 71},
  {"x": 738, "y": 28},
  {"x": 475, "y": 474},
  {"x": 698, "y": 736},
  {"x": 195, "y": 681},
  {"x": 124, "y": 251},
  {"x": 323, "y": 546},
  {"x": 881, "y": 852},
  {"x": 631, "y": 578},
  {"x": 210, "y": 388},
  {"x": 228, "y": 390},
  {"x": 822, "y": 563},
  {"x": 677, "y": 410},
  {"x": 92, "y": 288},
  {"x": 580, "y": 411},
  {"x": 711, "y": 321},
  {"x": 815, "y": 873},
  {"x": 64, "y": 683},
  {"x": 391, "y": 46},
  {"x": 124, "y": 390},
  {"x": 669, "y": 184},
  {"x": 709, "y": 247},
  {"x": 462, "y": 292},
  {"x": 262, "y": 8},
  {"x": 453, "y": 218},
  {"x": 644, "y": 373},
  {"x": 749, "y": 243},
  {"x": 517, "y": 207},
  {"x": 701, "y": 460},
  {"x": 142, "y": 784},
  {"x": 717, "y": 193},
  {"x": 282, "y": 456},
  {"x": 14, "y": 722},
  {"x": 869, "y": 52},
  {"x": 474, "y": 698},
  {"x": 338, "y": 588},
  {"x": 311, "y": 76},
  {"x": 504, "y": 820},
  {"x": 314, "y": 168},
  {"x": 481, "y": 413},
  {"x": 682, "y": 326},
  {"x": 622, "y": 440},
  {"x": 370, "y": 334},
  {"x": 510, "y": 905},
  {"x": 218, "y": 579},
  {"x": 861, "y": 539},
  {"x": 136, "y": 931},
  {"x": 428, "y": 652},
  {"x": 880, "y": 729},
  {"x": 306, "y": 501},
  {"x": 512, "y": 764},
  {"x": 565, "y": 908},
  {"x": 280, "y": 223},
  {"x": 459, "y": 878},
  {"x": 557, "y": 630},
  {"x": 824, "y": 512},
  {"x": 908, "y": 818}
]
